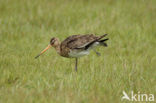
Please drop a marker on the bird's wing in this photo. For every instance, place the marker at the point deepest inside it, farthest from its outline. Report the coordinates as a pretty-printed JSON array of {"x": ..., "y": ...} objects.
[
  {"x": 79, "y": 41},
  {"x": 85, "y": 41}
]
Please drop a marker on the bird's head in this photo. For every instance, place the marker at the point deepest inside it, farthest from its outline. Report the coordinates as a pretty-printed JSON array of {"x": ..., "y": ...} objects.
[{"x": 54, "y": 42}]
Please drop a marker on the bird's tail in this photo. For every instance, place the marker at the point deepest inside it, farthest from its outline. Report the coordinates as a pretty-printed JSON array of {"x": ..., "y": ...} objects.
[
  {"x": 99, "y": 40},
  {"x": 102, "y": 42}
]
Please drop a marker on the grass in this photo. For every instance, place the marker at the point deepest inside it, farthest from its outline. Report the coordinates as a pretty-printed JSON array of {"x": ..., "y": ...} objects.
[{"x": 128, "y": 63}]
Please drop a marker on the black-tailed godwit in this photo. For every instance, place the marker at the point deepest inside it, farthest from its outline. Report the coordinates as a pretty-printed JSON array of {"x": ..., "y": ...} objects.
[{"x": 76, "y": 46}]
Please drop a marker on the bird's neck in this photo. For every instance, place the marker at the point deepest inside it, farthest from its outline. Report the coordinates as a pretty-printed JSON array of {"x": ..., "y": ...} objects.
[{"x": 57, "y": 48}]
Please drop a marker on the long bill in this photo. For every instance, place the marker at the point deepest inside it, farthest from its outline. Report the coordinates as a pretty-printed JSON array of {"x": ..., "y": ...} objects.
[{"x": 43, "y": 51}]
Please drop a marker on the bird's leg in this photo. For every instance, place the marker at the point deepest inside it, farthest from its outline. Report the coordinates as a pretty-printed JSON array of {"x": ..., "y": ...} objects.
[
  {"x": 76, "y": 64},
  {"x": 97, "y": 53}
]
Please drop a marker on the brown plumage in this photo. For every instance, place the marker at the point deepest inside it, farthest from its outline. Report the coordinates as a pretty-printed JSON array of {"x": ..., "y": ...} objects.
[{"x": 76, "y": 46}]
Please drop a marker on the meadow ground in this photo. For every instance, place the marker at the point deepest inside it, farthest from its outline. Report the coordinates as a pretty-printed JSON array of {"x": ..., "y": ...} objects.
[{"x": 128, "y": 63}]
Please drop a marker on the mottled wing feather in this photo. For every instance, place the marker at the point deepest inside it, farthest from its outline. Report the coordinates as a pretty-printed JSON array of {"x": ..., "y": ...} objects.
[
  {"x": 70, "y": 38},
  {"x": 80, "y": 41}
]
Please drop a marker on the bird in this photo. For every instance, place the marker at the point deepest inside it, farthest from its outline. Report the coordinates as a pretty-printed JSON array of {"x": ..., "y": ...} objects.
[{"x": 76, "y": 46}]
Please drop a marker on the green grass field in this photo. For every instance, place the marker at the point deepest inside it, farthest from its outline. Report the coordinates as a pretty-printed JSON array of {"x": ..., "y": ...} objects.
[{"x": 128, "y": 63}]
